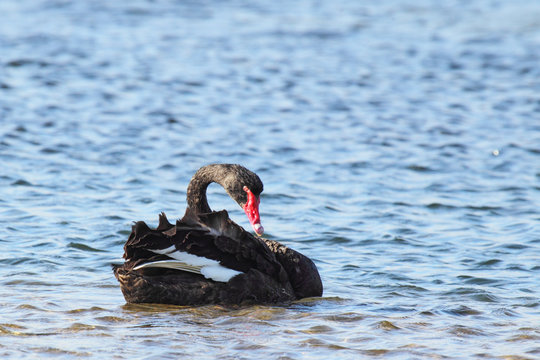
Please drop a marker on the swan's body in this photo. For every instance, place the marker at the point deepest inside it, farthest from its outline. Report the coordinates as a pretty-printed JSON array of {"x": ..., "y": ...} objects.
[{"x": 205, "y": 258}]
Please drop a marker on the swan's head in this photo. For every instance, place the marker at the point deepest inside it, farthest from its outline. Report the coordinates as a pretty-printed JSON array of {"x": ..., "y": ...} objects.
[{"x": 245, "y": 187}]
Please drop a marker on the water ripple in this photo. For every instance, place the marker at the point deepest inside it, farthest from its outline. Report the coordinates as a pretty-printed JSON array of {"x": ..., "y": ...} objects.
[{"x": 406, "y": 171}]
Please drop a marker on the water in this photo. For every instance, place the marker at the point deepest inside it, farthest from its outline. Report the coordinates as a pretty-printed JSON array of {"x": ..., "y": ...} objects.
[{"x": 399, "y": 144}]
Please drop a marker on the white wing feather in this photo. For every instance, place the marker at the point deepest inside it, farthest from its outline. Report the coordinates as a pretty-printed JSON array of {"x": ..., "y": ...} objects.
[{"x": 210, "y": 269}]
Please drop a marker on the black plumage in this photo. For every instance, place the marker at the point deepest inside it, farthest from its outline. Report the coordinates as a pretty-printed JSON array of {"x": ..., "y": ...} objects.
[{"x": 269, "y": 272}]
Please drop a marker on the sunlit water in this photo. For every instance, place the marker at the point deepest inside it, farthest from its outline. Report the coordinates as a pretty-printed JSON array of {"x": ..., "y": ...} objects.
[{"x": 399, "y": 144}]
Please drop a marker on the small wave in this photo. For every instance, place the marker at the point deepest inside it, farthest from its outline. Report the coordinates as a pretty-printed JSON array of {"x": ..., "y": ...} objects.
[
  {"x": 83, "y": 247},
  {"x": 462, "y": 310},
  {"x": 21, "y": 182}
]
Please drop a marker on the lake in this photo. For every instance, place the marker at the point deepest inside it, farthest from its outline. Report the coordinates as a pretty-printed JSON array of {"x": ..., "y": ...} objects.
[{"x": 398, "y": 143}]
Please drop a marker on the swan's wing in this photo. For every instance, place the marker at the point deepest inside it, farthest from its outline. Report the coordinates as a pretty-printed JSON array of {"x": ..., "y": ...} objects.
[
  {"x": 170, "y": 264},
  {"x": 229, "y": 244},
  {"x": 164, "y": 224},
  {"x": 213, "y": 237},
  {"x": 147, "y": 248},
  {"x": 212, "y": 270},
  {"x": 143, "y": 240}
]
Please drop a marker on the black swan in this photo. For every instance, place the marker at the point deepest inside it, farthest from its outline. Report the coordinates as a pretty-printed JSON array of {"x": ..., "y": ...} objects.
[{"x": 206, "y": 258}]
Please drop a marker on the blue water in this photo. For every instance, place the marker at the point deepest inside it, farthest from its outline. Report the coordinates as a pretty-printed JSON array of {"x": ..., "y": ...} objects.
[{"x": 398, "y": 141}]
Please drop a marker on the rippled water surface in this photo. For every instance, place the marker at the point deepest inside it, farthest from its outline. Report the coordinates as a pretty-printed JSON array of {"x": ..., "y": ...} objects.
[{"x": 399, "y": 144}]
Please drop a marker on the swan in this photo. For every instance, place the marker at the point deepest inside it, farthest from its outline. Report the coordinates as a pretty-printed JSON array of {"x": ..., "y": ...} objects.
[{"x": 206, "y": 258}]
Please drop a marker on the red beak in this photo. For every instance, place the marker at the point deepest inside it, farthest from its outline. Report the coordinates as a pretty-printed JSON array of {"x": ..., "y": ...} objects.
[{"x": 252, "y": 211}]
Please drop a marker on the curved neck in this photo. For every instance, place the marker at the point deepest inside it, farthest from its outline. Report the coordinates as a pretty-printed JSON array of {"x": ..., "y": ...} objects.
[{"x": 196, "y": 191}]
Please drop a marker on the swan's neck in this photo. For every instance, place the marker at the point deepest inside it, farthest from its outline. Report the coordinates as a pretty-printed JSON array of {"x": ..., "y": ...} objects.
[
  {"x": 196, "y": 191},
  {"x": 196, "y": 195}
]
